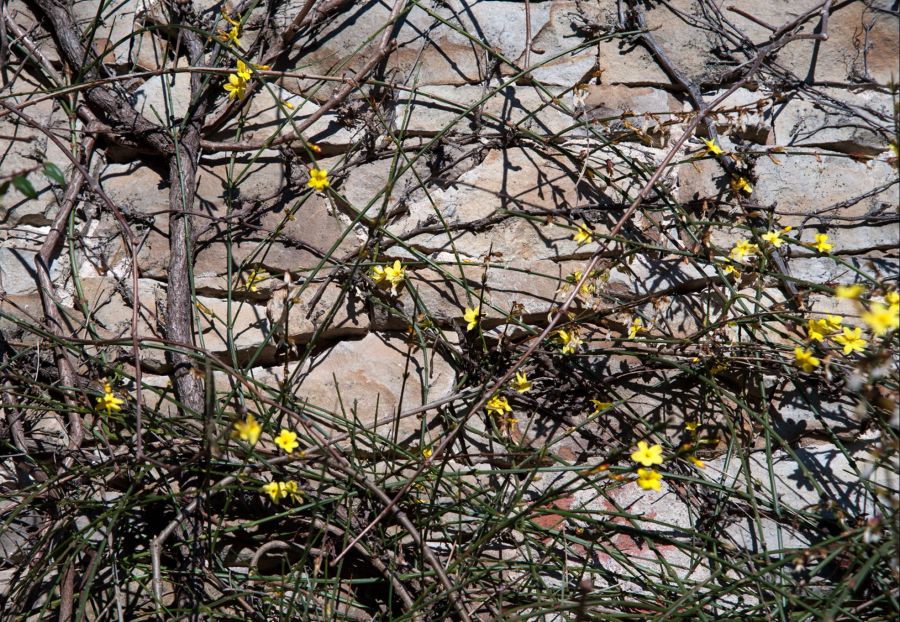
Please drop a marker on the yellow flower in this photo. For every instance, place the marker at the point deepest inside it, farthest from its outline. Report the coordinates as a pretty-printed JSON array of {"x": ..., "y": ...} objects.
[
  {"x": 773, "y": 238},
  {"x": 585, "y": 290},
  {"x": 289, "y": 489},
  {"x": 498, "y": 405},
  {"x": 648, "y": 479},
  {"x": 273, "y": 489},
  {"x": 892, "y": 298},
  {"x": 636, "y": 327},
  {"x": 600, "y": 406},
  {"x": 243, "y": 71},
  {"x": 647, "y": 455},
  {"x": 697, "y": 462},
  {"x": 236, "y": 87},
  {"x": 318, "y": 179},
  {"x": 109, "y": 401},
  {"x": 471, "y": 317},
  {"x": 390, "y": 274},
  {"x": 712, "y": 147},
  {"x": 583, "y": 236},
  {"x": 569, "y": 340},
  {"x": 805, "y": 359},
  {"x": 741, "y": 183},
  {"x": 882, "y": 319},
  {"x": 521, "y": 383},
  {"x": 849, "y": 292},
  {"x": 256, "y": 276},
  {"x": 742, "y": 249},
  {"x": 287, "y": 440},
  {"x": 229, "y": 19},
  {"x": 690, "y": 426},
  {"x": 817, "y": 330},
  {"x": 247, "y": 430},
  {"x": 232, "y": 35},
  {"x": 730, "y": 269},
  {"x": 851, "y": 340},
  {"x": 834, "y": 322},
  {"x": 822, "y": 244},
  {"x": 427, "y": 452}
]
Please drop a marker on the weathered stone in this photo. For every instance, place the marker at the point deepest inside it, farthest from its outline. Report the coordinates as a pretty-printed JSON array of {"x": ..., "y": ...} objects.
[
  {"x": 566, "y": 60},
  {"x": 165, "y": 97},
  {"x": 112, "y": 313},
  {"x": 247, "y": 324},
  {"x": 800, "y": 413},
  {"x": 511, "y": 180},
  {"x": 833, "y": 119},
  {"x": 431, "y": 109},
  {"x": 274, "y": 111},
  {"x": 295, "y": 319},
  {"x": 806, "y": 184},
  {"x": 827, "y": 270},
  {"x": 428, "y": 51},
  {"x": 371, "y": 381},
  {"x": 850, "y": 54}
]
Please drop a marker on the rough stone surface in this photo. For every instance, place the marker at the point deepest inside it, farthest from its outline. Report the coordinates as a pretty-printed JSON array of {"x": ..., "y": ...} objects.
[
  {"x": 372, "y": 380},
  {"x": 477, "y": 176}
]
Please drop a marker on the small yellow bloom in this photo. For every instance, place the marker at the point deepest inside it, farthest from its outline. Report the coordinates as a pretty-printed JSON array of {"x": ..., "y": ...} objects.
[
  {"x": 569, "y": 340},
  {"x": 697, "y": 462},
  {"x": 229, "y": 19},
  {"x": 236, "y": 86},
  {"x": 773, "y": 238},
  {"x": 256, "y": 276},
  {"x": 882, "y": 319},
  {"x": 648, "y": 479},
  {"x": 289, "y": 489},
  {"x": 583, "y": 235},
  {"x": 471, "y": 317},
  {"x": 109, "y": 401},
  {"x": 817, "y": 330},
  {"x": 822, "y": 244},
  {"x": 600, "y": 406},
  {"x": 243, "y": 71},
  {"x": 427, "y": 452},
  {"x": 892, "y": 298},
  {"x": 834, "y": 322},
  {"x": 287, "y": 440},
  {"x": 805, "y": 359},
  {"x": 647, "y": 455},
  {"x": 498, "y": 405},
  {"x": 849, "y": 292},
  {"x": 743, "y": 249},
  {"x": 690, "y": 426},
  {"x": 521, "y": 383},
  {"x": 318, "y": 179},
  {"x": 741, "y": 183},
  {"x": 230, "y": 36},
  {"x": 636, "y": 327},
  {"x": 273, "y": 489},
  {"x": 247, "y": 430},
  {"x": 851, "y": 340},
  {"x": 390, "y": 274},
  {"x": 730, "y": 269},
  {"x": 712, "y": 147},
  {"x": 585, "y": 290}
]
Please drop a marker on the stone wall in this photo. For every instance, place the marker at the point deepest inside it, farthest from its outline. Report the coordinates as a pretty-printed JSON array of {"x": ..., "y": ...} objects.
[{"x": 477, "y": 175}]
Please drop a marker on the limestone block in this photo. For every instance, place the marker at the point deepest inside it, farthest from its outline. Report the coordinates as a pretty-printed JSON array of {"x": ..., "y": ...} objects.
[
  {"x": 835, "y": 120},
  {"x": 295, "y": 319},
  {"x": 372, "y": 380},
  {"x": 248, "y": 324}
]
